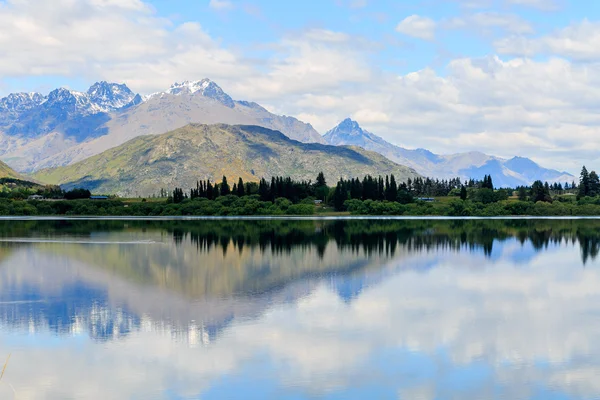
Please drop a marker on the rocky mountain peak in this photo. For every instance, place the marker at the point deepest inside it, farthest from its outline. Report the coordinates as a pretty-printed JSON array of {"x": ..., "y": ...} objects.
[
  {"x": 204, "y": 87},
  {"x": 18, "y": 102},
  {"x": 110, "y": 96},
  {"x": 347, "y": 132},
  {"x": 349, "y": 126}
]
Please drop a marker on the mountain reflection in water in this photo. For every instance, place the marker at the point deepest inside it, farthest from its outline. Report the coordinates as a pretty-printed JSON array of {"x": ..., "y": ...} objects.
[{"x": 303, "y": 291}]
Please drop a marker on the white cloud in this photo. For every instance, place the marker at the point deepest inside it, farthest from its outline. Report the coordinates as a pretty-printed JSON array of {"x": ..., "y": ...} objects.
[
  {"x": 108, "y": 39},
  {"x": 418, "y": 27},
  {"x": 484, "y": 21},
  {"x": 580, "y": 41},
  {"x": 221, "y": 5},
  {"x": 542, "y": 109}
]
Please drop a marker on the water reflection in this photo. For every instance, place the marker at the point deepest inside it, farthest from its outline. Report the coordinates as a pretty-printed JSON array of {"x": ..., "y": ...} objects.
[{"x": 297, "y": 309}]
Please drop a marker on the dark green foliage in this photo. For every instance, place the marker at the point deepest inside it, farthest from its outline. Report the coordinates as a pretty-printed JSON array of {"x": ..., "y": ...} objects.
[
  {"x": 594, "y": 184},
  {"x": 487, "y": 182},
  {"x": 486, "y": 196},
  {"x": 320, "y": 180},
  {"x": 522, "y": 191},
  {"x": 463, "y": 192},
  {"x": 540, "y": 192},
  {"x": 241, "y": 191},
  {"x": 392, "y": 191},
  {"x": 321, "y": 189},
  {"x": 340, "y": 195},
  {"x": 584, "y": 183},
  {"x": 404, "y": 197},
  {"x": 178, "y": 195},
  {"x": 224, "y": 187},
  {"x": 77, "y": 194},
  {"x": 263, "y": 190}
]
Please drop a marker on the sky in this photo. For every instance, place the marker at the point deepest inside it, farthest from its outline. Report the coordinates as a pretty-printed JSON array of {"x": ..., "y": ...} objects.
[{"x": 506, "y": 77}]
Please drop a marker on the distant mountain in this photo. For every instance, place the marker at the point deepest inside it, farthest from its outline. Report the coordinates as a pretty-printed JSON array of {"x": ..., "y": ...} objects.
[
  {"x": 145, "y": 164},
  {"x": 66, "y": 126},
  {"x": 505, "y": 173}
]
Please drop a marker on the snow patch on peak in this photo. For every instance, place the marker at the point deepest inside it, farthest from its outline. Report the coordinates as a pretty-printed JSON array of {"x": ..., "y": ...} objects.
[
  {"x": 18, "y": 102},
  {"x": 190, "y": 87},
  {"x": 110, "y": 96},
  {"x": 204, "y": 87}
]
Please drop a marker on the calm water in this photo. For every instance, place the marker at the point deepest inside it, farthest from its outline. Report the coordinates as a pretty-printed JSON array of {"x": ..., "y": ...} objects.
[{"x": 300, "y": 309}]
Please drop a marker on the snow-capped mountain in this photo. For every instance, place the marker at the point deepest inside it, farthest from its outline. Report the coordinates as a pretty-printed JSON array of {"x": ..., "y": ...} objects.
[
  {"x": 65, "y": 126},
  {"x": 16, "y": 103},
  {"x": 110, "y": 96},
  {"x": 505, "y": 173},
  {"x": 19, "y": 102},
  {"x": 206, "y": 88}
]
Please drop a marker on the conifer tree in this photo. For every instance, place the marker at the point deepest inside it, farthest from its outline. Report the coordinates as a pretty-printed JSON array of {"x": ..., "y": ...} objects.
[
  {"x": 340, "y": 195},
  {"x": 210, "y": 192},
  {"x": 584, "y": 183},
  {"x": 225, "y": 190},
  {"x": 393, "y": 195},
  {"x": 273, "y": 189},
  {"x": 594, "y": 188},
  {"x": 241, "y": 192},
  {"x": 463, "y": 192},
  {"x": 263, "y": 190},
  {"x": 522, "y": 193}
]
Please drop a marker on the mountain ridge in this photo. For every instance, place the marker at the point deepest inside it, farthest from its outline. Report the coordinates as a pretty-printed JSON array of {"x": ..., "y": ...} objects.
[
  {"x": 67, "y": 126},
  {"x": 512, "y": 172},
  {"x": 195, "y": 152}
]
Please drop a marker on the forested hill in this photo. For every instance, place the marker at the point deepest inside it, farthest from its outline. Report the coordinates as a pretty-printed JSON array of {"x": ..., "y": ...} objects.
[{"x": 144, "y": 165}]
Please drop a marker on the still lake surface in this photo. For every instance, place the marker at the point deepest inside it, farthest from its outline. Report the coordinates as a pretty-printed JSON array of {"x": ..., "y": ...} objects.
[{"x": 300, "y": 309}]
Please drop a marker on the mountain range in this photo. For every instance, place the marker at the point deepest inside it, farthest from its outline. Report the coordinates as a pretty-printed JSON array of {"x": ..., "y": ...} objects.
[
  {"x": 505, "y": 172},
  {"x": 144, "y": 165},
  {"x": 66, "y": 126}
]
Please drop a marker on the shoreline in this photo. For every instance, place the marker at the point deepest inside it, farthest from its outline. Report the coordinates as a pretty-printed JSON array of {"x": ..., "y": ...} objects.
[{"x": 291, "y": 218}]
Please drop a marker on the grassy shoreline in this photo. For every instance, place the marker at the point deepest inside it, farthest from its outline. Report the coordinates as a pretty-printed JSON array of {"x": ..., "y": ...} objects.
[{"x": 251, "y": 206}]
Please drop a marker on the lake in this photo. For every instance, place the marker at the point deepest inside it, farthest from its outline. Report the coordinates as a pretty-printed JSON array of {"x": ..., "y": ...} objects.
[{"x": 300, "y": 309}]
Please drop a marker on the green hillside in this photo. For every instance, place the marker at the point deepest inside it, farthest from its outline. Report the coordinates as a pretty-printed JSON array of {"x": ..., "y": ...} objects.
[
  {"x": 8, "y": 172},
  {"x": 146, "y": 164}
]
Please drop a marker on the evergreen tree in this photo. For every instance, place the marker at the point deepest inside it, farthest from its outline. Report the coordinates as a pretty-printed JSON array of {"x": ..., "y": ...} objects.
[
  {"x": 594, "y": 189},
  {"x": 263, "y": 190},
  {"x": 210, "y": 192},
  {"x": 522, "y": 193},
  {"x": 540, "y": 192},
  {"x": 463, "y": 193},
  {"x": 393, "y": 191},
  {"x": 241, "y": 192},
  {"x": 584, "y": 183},
  {"x": 178, "y": 195},
  {"x": 340, "y": 195},
  {"x": 321, "y": 189},
  {"x": 387, "y": 187},
  {"x": 321, "y": 180},
  {"x": 225, "y": 190},
  {"x": 273, "y": 189}
]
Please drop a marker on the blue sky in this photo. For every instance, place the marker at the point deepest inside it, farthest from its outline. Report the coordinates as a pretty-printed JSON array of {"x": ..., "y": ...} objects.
[{"x": 506, "y": 77}]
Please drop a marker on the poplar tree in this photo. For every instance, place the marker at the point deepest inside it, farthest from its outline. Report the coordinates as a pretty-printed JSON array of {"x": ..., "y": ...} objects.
[
  {"x": 584, "y": 183},
  {"x": 393, "y": 195},
  {"x": 240, "y": 188}
]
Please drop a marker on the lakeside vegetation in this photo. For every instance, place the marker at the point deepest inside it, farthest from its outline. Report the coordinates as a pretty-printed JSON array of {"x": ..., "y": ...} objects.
[{"x": 284, "y": 196}]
